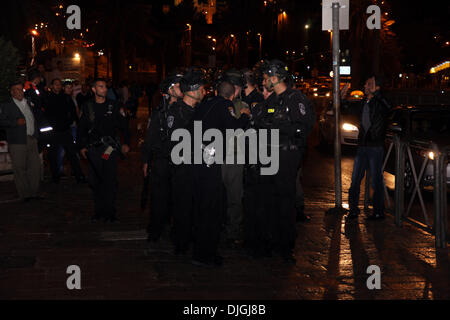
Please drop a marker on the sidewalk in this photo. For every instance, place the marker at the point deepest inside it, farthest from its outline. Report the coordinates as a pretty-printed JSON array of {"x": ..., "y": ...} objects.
[{"x": 39, "y": 240}]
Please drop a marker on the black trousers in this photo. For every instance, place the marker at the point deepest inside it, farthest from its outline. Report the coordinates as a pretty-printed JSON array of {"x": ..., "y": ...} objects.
[
  {"x": 103, "y": 181},
  {"x": 283, "y": 193},
  {"x": 209, "y": 213},
  {"x": 257, "y": 207},
  {"x": 65, "y": 140},
  {"x": 159, "y": 197},
  {"x": 182, "y": 185}
]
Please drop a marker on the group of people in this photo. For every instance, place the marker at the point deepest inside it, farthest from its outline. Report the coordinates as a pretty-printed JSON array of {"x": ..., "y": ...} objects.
[
  {"x": 201, "y": 201},
  {"x": 52, "y": 117},
  {"x": 37, "y": 117}
]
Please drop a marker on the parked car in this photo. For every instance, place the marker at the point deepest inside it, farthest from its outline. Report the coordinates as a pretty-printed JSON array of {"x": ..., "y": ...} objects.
[
  {"x": 430, "y": 123},
  {"x": 349, "y": 123}
]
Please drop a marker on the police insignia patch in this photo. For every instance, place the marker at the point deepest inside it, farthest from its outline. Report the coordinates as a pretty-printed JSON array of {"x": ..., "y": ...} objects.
[
  {"x": 122, "y": 112},
  {"x": 254, "y": 104},
  {"x": 302, "y": 108},
  {"x": 170, "y": 120}
]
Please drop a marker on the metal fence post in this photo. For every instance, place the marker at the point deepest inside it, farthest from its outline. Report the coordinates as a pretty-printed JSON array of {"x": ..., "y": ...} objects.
[
  {"x": 444, "y": 216},
  {"x": 399, "y": 179},
  {"x": 367, "y": 191},
  {"x": 440, "y": 200}
]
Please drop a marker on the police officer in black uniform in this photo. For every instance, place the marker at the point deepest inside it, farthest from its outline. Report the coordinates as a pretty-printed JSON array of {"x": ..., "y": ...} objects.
[
  {"x": 99, "y": 143},
  {"x": 257, "y": 188},
  {"x": 293, "y": 115},
  {"x": 156, "y": 154},
  {"x": 181, "y": 116},
  {"x": 216, "y": 113},
  {"x": 251, "y": 95}
]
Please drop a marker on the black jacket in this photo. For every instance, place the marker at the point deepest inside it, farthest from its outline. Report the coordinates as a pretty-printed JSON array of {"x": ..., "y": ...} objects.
[
  {"x": 9, "y": 114},
  {"x": 104, "y": 120},
  {"x": 253, "y": 98},
  {"x": 291, "y": 113},
  {"x": 218, "y": 113},
  {"x": 157, "y": 139},
  {"x": 60, "y": 111},
  {"x": 379, "y": 110}
]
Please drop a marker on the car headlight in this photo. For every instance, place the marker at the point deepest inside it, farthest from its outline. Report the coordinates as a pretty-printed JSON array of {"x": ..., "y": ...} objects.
[
  {"x": 430, "y": 154},
  {"x": 328, "y": 94},
  {"x": 316, "y": 95},
  {"x": 349, "y": 127},
  {"x": 315, "y": 89}
]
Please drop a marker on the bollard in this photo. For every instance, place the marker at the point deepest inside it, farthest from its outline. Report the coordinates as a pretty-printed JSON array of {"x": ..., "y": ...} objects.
[{"x": 399, "y": 179}]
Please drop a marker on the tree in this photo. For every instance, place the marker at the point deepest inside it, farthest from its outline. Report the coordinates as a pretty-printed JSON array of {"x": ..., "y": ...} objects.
[
  {"x": 17, "y": 18},
  {"x": 372, "y": 51},
  {"x": 9, "y": 60}
]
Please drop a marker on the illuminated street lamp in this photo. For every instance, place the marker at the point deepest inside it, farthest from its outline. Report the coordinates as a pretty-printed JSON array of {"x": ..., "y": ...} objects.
[
  {"x": 260, "y": 46},
  {"x": 188, "y": 45},
  {"x": 34, "y": 34}
]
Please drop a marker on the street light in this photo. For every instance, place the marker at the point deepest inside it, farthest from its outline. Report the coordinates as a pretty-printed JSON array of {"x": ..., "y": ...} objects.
[
  {"x": 188, "y": 45},
  {"x": 34, "y": 33},
  {"x": 260, "y": 46}
]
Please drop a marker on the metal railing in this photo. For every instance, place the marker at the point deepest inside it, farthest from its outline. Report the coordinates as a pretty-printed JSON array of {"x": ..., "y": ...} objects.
[{"x": 402, "y": 148}]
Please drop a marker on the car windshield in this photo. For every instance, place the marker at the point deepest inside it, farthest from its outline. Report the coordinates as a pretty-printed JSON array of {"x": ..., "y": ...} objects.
[
  {"x": 437, "y": 122},
  {"x": 351, "y": 107}
]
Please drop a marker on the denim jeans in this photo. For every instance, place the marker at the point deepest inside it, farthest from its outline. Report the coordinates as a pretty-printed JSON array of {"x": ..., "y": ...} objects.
[{"x": 368, "y": 158}]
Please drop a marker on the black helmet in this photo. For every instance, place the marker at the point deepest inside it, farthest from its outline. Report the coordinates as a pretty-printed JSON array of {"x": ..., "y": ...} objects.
[
  {"x": 259, "y": 69},
  {"x": 277, "y": 68},
  {"x": 192, "y": 80},
  {"x": 235, "y": 77},
  {"x": 170, "y": 81}
]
